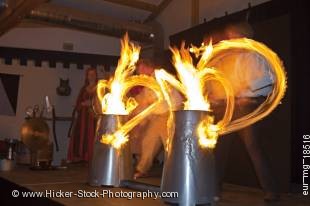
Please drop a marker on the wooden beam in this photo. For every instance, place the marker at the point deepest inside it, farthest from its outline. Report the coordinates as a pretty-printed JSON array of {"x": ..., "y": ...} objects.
[
  {"x": 54, "y": 15},
  {"x": 13, "y": 16},
  {"x": 12, "y": 4},
  {"x": 135, "y": 4},
  {"x": 159, "y": 9},
  {"x": 195, "y": 12},
  {"x": 56, "y": 9}
]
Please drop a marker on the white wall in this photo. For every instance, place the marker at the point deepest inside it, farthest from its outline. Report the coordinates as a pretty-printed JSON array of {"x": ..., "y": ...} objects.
[
  {"x": 35, "y": 84},
  {"x": 50, "y": 38},
  {"x": 177, "y": 16}
]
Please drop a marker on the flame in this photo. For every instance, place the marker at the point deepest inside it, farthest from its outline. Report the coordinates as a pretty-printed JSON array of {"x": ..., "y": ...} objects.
[
  {"x": 191, "y": 83},
  {"x": 115, "y": 101},
  {"x": 112, "y": 102},
  {"x": 279, "y": 84},
  {"x": 116, "y": 140},
  {"x": 207, "y": 132},
  {"x": 190, "y": 78}
]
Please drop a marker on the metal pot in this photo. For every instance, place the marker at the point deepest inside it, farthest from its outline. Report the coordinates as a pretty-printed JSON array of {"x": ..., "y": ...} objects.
[
  {"x": 35, "y": 135},
  {"x": 109, "y": 166},
  {"x": 188, "y": 169},
  {"x": 7, "y": 165}
]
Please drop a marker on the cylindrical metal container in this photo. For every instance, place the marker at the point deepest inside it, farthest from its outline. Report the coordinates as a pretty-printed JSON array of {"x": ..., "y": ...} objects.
[
  {"x": 188, "y": 169},
  {"x": 109, "y": 166}
]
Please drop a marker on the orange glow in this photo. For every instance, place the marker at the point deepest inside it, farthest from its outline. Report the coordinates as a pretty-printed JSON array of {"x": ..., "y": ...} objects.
[
  {"x": 192, "y": 81},
  {"x": 112, "y": 93},
  {"x": 279, "y": 84},
  {"x": 113, "y": 102}
]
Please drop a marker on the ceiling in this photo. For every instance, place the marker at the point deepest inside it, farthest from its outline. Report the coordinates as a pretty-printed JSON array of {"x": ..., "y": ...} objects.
[
  {"x": 108, "y": 17},
  {"x": 108, "y": 8}
]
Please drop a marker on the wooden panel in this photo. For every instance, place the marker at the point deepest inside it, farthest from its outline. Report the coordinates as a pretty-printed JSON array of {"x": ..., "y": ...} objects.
[
  {"x": 195, "y": 12},
  {"x": 258, "y": 13}
]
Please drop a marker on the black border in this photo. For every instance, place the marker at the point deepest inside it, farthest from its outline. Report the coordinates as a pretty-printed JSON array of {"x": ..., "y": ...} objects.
[{"x": 9, "y": 53}]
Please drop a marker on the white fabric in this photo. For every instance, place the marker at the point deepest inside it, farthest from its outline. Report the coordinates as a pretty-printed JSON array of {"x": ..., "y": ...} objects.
[{"x": 248, "y": 73}]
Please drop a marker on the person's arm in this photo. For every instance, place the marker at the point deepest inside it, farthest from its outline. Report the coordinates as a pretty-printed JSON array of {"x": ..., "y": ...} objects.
[{"x": 144, "y": 99}]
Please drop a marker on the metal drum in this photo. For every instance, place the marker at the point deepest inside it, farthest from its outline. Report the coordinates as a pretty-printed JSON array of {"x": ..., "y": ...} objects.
[
  {"x": 188, "y": 169},
  {"x": 109, "y": 166},
  {"x": 35, "y": 135}
]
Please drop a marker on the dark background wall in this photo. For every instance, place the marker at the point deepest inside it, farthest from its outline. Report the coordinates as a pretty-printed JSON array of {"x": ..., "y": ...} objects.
[{"x": 274, "y": 131}]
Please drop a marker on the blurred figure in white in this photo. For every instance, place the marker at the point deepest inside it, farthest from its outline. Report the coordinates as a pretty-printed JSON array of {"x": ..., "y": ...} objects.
[
  {"x": 153, "y": 130},
  {"x": 252, "y": 81}
]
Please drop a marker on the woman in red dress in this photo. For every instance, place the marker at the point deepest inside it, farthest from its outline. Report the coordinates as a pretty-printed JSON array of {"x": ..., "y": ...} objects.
[{"x": 83, "y": 133}]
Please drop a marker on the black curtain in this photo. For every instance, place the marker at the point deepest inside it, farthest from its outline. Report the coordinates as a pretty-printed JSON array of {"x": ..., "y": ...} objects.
[
  {"x": 10, "y": 84},
  {"x": 301, "y": 84}
]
